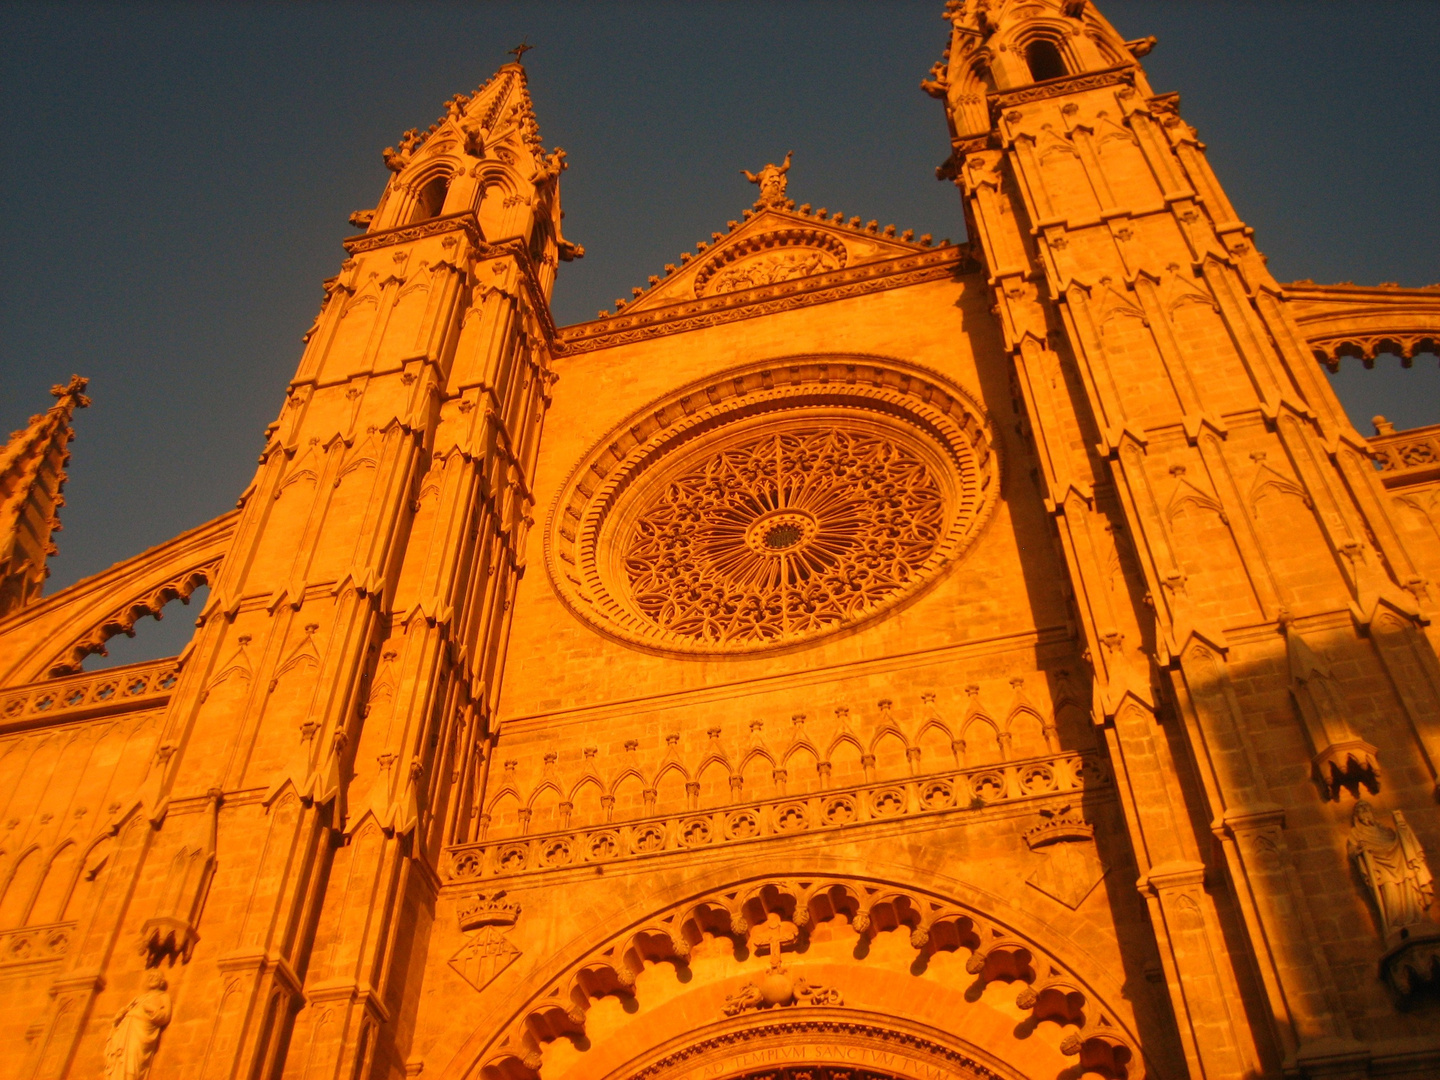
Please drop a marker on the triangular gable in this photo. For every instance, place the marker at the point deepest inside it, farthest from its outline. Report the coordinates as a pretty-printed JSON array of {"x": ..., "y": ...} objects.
[{"x": 771, "y": 246}]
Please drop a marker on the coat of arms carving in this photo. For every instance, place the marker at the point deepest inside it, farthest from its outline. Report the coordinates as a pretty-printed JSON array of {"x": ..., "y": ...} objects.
[
  {"x": 487, "y": 951},
  {"x": 1071, "y": 869}
]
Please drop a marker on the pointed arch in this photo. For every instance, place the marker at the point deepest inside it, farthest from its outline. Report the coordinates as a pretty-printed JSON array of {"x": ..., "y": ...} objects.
[
  {"x": 716, "y": 782},
  {"x": 1186, "y": 495},
  {"x": 936, "y": 743},
  {"x": 88, "y": 879},
  {"x": 627, "y": 789},
  {"x": 802, "y": 768},
  {"x": 757, "y": 773},
  {"x": 544, "y": 808},
  {"x": 669, "y": 785},
  {"x": 845, "y": 756},
  {"x": 19, "y": 886},
  {"x": 586, "y": 800},
  {"x": 891, "y": 751},
  {"x": 426, "y": 182},
  {"x": 503, "y": 815},
  {"x": 55, "y": 884},
  {"x": 981, "y": 736},
  {"x": 1026, "y": 728}
]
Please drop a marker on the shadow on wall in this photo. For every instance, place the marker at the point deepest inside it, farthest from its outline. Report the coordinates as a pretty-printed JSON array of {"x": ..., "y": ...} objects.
[{"x": 155, "y": 637}]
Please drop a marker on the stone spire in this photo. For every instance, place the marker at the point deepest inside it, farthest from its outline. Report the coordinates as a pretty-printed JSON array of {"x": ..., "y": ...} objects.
[{"x": 32, "y": 474}]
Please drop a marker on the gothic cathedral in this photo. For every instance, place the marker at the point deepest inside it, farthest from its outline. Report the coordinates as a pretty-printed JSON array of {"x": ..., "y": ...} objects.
[{"x": 853, "y": 658}]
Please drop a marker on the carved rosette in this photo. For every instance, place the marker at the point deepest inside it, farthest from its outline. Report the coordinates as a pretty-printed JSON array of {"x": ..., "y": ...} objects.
[{"x": 774, "y": 505}]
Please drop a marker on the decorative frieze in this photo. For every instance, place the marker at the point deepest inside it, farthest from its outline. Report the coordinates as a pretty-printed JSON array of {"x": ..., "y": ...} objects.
[
  {"x": 748, "y": 303},
  {"x": 35, "y": 944},
  {"x": 1407, "y": 457},
  {"x": 137, "y": 686},
  {"x": 1068, "y": 84},
  {"x": 867, "y": 804}
]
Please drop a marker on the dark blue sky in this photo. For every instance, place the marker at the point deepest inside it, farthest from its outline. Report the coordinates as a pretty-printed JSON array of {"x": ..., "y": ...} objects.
[{"x": 179, "y": 177}]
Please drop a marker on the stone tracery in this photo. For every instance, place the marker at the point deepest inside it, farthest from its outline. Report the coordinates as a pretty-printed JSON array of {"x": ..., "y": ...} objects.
[
  {"x": 779, "y": 502},
  {"x": 785, "y": 534}
]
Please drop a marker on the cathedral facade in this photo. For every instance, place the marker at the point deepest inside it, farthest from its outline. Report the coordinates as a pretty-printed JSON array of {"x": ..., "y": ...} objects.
[{"x": 852, "y": 658}]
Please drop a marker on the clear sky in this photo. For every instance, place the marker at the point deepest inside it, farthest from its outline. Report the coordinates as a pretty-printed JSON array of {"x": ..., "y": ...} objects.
[{"x": 179, "y": 178}]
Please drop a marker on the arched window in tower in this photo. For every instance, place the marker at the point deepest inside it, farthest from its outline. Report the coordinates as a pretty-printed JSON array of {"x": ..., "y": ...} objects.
[
  {"x": 430, "y": 199},
  {"x": 1045, "y": 60}
]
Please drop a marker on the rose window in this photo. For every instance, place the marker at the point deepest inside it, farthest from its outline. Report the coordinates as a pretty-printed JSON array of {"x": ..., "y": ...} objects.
[
  {"x": 783, "y": 535},
  {"x": 789, "y": 504}
]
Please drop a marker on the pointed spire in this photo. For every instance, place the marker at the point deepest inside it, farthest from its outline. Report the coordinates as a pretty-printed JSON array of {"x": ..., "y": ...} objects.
[{"x": 32, "y": 474}]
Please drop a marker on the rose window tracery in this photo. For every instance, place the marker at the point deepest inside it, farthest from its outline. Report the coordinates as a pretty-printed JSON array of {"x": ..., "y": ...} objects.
[
  {"x": 772, "y": 505},
  {"x": 784, "y": 534}
]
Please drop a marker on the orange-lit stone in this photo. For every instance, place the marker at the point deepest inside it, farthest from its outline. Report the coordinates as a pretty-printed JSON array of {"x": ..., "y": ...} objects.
[{"x": 895, "y": 660}]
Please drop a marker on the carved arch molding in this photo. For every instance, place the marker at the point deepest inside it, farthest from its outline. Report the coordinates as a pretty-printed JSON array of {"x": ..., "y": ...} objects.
[
  {"x": 826, "y": 973},
  {"x": 772, "y": 504}
]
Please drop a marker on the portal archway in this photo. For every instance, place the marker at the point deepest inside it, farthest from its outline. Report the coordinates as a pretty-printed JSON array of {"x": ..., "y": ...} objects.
[
  {"x": 810, "y": 1045},
  {"x": 825, "y": 972}
]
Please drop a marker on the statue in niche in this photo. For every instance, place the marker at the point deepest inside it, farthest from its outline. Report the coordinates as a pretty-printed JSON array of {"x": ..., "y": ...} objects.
[
  {"x": 135, "y": 1032},
  {"x": 1392, "y": 864},
  {"x": 772, "y": 181}
]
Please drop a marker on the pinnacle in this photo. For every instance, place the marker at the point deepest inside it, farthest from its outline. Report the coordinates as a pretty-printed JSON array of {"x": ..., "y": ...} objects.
[{"x": 32, "y": 477}]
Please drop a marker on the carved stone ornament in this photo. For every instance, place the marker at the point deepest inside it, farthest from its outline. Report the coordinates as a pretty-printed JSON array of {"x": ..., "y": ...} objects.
[
  {"x": 1071, "y": 867},
  {"x": 770, "y": 258},
  {"x": 487, "y": 952},
  {"x": 772, "y": 268},
  {"x": 778, "y": 986},
  {"x": 776, "y": 504},
  {"x": 1393, "y": 866},
  {"x": 772, "y": 181},
  {"x": 135, "y": 1031}
]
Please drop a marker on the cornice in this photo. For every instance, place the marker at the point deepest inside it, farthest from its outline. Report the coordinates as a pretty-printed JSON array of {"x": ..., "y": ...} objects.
[
  {"x": 403, "y": 234},
  {"x": 465, "y": 221},
  {"x": 1121, "y": 74},
  {"x": 842, "y": 284}
]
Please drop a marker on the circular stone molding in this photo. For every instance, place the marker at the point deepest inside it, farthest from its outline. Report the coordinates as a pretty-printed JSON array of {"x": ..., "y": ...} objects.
[
  {"x": 768, "y": 258},
  {"x": 772, "y": 505}
]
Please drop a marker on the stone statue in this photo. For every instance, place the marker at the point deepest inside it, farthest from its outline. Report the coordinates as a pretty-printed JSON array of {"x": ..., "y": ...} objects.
[
  {"x": 1392, "y": 863},
  {"x": 135, "y": 1032},
  {"x": 772, "y": 181}
]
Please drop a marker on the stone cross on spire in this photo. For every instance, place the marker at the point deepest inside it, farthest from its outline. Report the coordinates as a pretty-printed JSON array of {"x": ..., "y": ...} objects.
[{"x": 772, "y": 182}]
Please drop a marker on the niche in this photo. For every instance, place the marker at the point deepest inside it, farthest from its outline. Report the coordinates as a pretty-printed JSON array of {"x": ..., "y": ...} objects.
[
  {"x": 430, "y": 199},
  {"x": 1044, "y": 60}
]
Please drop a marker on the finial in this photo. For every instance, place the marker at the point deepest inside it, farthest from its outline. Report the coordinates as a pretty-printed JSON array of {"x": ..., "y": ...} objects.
[
  {"x": 74, "y": 390},
  {"x": 772, "y": 182},
  {"x": 519, "y": 51}
]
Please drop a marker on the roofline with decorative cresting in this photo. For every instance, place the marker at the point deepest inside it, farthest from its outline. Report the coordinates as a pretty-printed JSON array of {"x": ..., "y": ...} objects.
[{"x": 931, "y": 265}]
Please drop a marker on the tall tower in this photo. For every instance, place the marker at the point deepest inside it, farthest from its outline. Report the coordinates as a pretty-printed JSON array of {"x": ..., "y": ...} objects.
[
  {"x": 1180, "y": 418},
  {"x": 349, "y": 657}
]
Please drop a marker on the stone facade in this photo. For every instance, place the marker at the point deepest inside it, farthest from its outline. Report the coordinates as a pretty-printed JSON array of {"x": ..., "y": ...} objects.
[{"x": 895, "y": 660}]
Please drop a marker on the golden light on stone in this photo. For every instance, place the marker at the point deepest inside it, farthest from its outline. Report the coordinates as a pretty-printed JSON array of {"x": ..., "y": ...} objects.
[{"x": 821, "y": 747}]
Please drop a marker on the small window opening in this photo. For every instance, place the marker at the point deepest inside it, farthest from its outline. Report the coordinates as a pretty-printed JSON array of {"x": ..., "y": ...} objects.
[
  {"x": 431, "y": 199},
  {"x": 1044, "y": 60}
]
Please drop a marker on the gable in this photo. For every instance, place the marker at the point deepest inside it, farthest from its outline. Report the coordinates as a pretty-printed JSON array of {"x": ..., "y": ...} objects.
[{"x": 771, "y": 246}]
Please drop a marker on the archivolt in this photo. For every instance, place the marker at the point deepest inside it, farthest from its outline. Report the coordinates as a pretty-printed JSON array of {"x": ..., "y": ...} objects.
[
  {"x": 52, "y": 638},
  {"x": 1045, "y": 987}
]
